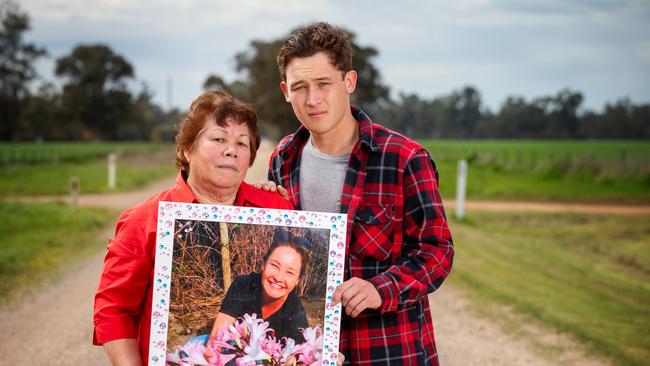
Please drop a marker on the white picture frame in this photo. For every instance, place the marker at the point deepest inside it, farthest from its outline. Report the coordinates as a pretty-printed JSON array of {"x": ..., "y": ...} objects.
[{"x": 248, "y": 231}]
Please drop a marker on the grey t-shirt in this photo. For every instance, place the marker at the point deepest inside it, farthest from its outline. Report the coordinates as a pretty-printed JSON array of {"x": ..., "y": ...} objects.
[{"x": 321, "y": 179}]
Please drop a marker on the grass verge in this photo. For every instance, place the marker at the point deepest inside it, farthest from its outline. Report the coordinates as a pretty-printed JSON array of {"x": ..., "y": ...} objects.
[
  {"x": 585, "y": 275},
  {"x": 570, "y": 171},
  {"x": 38, "y": 239},
  {"x": 490, "y": 182},
  {"x": 134, "y": 170}
]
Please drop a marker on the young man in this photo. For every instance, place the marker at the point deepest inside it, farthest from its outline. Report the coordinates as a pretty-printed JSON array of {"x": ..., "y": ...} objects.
[{"x": 399, "y": 248}]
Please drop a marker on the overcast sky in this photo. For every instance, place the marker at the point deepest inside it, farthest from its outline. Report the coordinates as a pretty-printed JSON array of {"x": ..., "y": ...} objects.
[{"x": 524, "y": 48}]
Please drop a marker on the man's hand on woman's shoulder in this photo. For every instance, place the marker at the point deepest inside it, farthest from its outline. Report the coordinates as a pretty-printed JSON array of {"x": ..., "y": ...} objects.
[{"x": 270, "y": 186}]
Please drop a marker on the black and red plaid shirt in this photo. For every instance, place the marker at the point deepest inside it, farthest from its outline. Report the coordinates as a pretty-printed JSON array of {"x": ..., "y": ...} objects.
[{"x": 397, "y": 236}]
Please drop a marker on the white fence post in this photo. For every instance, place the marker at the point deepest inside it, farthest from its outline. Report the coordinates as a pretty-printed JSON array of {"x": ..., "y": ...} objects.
[
  {"x": 461, "y": 187},
  {"x": 112, "y": 170}
]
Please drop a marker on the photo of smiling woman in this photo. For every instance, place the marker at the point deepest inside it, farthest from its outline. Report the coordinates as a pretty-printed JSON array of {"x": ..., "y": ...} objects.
[{"x": 271, "y": 294}]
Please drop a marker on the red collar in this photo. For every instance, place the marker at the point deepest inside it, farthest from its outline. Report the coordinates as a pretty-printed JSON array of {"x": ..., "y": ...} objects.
[{"x": 247, "y": 195}]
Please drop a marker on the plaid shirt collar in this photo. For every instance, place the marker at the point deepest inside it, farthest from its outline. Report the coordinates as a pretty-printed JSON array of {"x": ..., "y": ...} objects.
[{"x": 366, "y": 136}]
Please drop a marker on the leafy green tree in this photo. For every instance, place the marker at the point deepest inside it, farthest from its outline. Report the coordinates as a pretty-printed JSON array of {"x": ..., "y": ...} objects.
[
  {"x": 456, "y": 115},
  {"x": 95, "y": 95},
  {"x": 640, "y": 121},
  {"x": 262, "y": 80},
  {"x": 17, "y": 58},
  {"x": 165, "y": 129},
  {"x": 620, "y": 120},
  {"x": 145, "y": 117},
  {"x": 38, "y": 119},
  {"x": 516, "y": 119},
  {"x": 238, "y": 88},
  {"x": 563, "y": 114},
  {"x": 461, "y": 111},
  {"x": 214, "y": 82},
  {"x": 370, "y": 89},
  {"x": 410, "y": 115}
]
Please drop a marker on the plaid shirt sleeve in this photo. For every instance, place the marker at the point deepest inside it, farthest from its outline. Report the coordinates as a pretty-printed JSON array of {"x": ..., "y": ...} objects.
[{"x": 426, "y": 255}]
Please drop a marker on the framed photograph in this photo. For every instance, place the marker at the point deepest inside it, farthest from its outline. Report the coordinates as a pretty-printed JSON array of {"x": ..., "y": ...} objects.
[{"x": 246, "y": 286}]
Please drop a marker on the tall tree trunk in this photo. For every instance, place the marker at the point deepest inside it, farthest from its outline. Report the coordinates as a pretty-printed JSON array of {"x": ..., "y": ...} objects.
[{"x": 225, "y": 255}]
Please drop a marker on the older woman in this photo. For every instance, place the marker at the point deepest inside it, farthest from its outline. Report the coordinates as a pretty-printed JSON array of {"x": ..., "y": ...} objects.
[{"x": 216, "y": 143}]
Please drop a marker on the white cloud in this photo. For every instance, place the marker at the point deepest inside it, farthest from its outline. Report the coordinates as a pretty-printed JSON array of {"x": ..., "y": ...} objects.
[{"x": 503, "y": 47}]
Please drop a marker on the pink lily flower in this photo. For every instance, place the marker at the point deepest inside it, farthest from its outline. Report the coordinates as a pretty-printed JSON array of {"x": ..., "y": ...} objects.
[
  {"x": 288, "y": 351},
  {"x": 219, "y": 359},
  {"x": 189, "y": 354},
  {"x": 253, "y": 355},
  {"x": 309, "y": 353},
  {"x": 274, "y": 348}
]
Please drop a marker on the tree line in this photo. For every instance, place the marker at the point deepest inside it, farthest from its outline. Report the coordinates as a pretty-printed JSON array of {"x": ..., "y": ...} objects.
[
  {"x": 95, "y": 101},
  {"x": 461, "y": 115}
]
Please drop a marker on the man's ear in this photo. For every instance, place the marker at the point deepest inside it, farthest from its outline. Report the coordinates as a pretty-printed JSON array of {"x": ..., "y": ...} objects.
[
  {"x": 285, "y": 90},
  {"x": 350, "y": 79},
  {"x": 186, "y": 154}
]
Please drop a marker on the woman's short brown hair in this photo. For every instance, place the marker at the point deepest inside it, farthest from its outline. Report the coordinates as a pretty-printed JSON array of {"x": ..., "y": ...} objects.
[
  {"x": 221, "y": 106},
  {"x": 310, "y": 39}
]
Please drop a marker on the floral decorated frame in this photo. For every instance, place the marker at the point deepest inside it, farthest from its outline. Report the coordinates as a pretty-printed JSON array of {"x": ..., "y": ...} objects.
[{"x": 171, "y": 214}]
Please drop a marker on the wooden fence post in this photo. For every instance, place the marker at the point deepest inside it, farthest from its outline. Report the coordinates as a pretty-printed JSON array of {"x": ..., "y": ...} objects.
[{"x": 74, "y": 192}]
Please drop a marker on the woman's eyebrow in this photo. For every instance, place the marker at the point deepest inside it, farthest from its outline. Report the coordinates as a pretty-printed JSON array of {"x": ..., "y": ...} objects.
[{"x": 293, "y": 268}]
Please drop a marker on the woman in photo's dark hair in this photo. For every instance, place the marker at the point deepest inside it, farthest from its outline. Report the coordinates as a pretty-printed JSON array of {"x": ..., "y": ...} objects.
[{"x": 271, "y": 294}]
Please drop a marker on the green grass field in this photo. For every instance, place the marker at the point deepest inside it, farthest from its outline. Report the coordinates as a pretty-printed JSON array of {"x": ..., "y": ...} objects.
[
  {"x": 137, "y": 165},
  {"x": 586, "y": 171},
  {"x": 583, "y": 171},
  {"x": 39, "y": 239},
  {"x": 586, "y": 275},
  {"x": 59, "y": 152}
]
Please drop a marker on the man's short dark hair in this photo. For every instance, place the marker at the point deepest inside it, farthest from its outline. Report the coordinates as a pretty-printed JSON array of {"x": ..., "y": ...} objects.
[{"x": 310, "y": 39}]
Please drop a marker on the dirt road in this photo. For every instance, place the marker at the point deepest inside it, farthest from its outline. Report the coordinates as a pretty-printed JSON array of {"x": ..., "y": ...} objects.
[
  {"x": 52, "y": 324},
  {"x": 550, "y": 207}
]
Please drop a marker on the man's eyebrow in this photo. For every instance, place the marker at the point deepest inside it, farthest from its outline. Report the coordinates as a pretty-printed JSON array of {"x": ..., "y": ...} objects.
[{"x": 321, "y": 78}]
